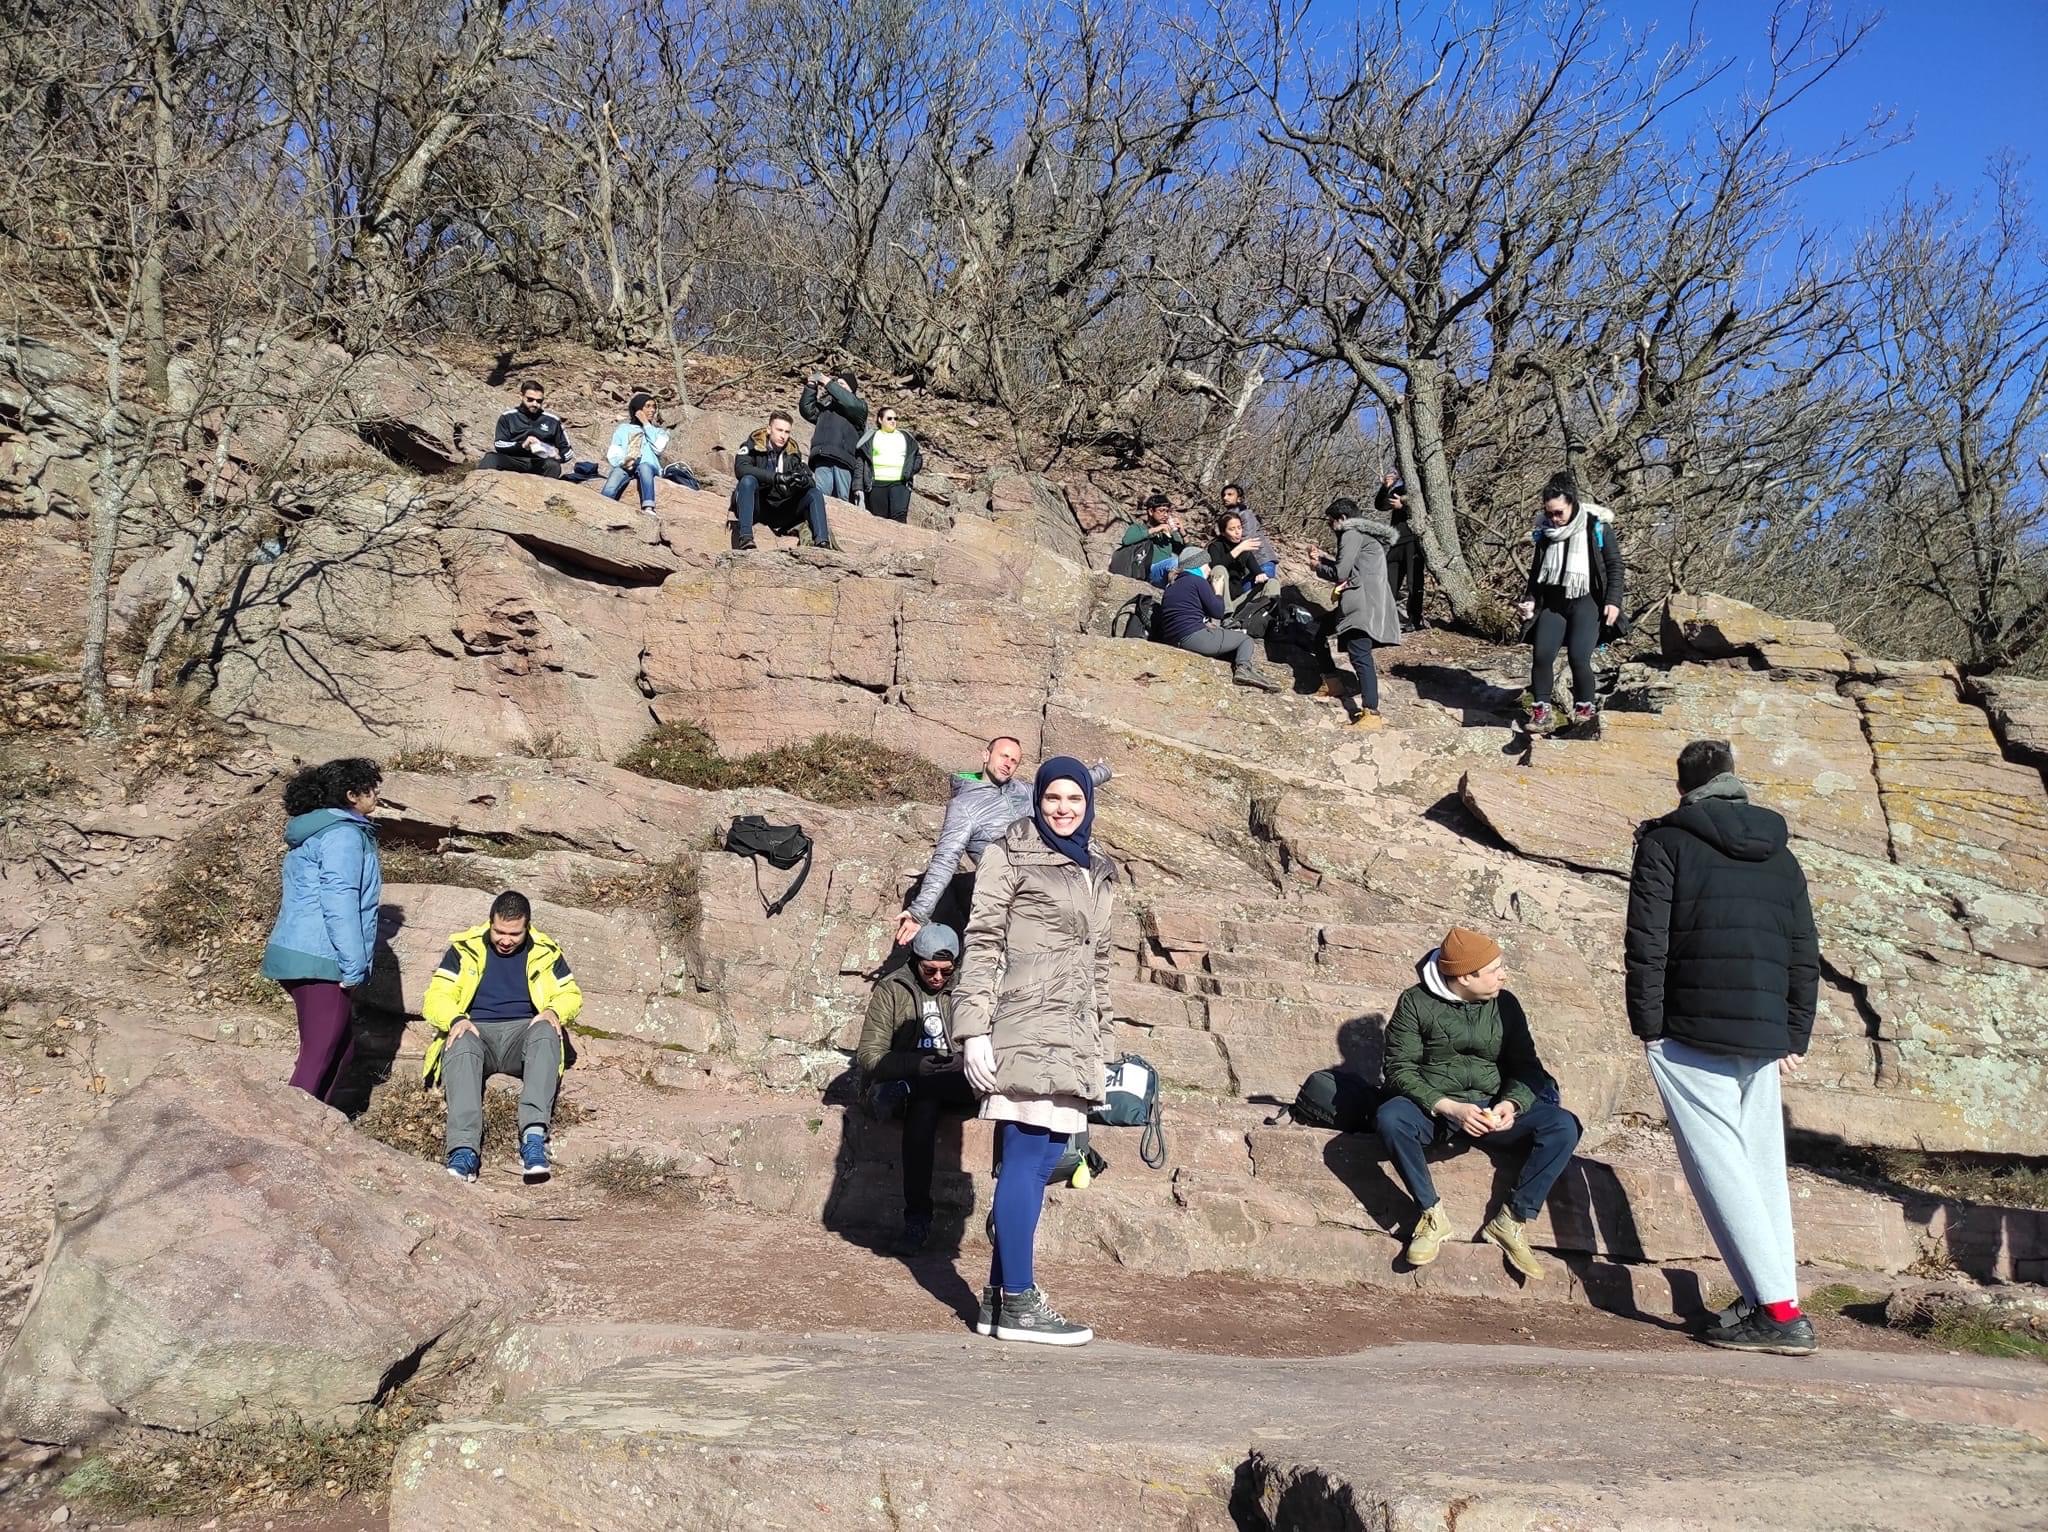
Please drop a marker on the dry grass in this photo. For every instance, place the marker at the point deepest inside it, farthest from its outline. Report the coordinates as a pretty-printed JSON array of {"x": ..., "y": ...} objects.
[
  {"x": 667, "y": 890},
  {"x": 837, "y": 770},
  {"x": 254, "y": 1464},
  {"x": 217, "y": 902},
  {"x": 433, "y": 760},
  {"x": 1992, "y": 1180},
  {"x": 28, "y": 775},
  {"x": 414, "y": 1120},
  {"x": 409, "y": 862},
  {"x": 635, "y": 1176}
]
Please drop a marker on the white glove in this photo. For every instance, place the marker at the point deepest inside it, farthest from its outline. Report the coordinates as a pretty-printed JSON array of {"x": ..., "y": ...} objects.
[{"x": 980, "y": 1065}]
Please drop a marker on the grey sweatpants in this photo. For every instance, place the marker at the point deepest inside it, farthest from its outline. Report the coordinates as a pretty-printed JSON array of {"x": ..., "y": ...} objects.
[
  {"x": 1221, "y": 644},
  {"x": 1724, "y": 1112},
  {"x": 528, "y": 1049}
]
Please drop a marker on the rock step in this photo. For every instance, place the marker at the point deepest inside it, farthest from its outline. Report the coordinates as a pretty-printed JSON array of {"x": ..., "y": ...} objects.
[{"x": 646, "y": 1427}]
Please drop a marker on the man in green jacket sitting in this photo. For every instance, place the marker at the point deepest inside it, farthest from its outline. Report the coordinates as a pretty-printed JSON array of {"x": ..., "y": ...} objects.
[{"x": 1463, "y": 1070}]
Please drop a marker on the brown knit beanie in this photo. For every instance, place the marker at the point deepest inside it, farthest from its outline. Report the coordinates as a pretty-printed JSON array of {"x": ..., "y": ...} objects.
[{"x": 1465, "y": 952}]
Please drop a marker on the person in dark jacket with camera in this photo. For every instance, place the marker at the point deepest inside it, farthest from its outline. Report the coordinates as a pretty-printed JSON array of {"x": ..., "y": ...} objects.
[
  {"x": 838, "y": 415},
  {"x": 1723, "y": 976},
  {"x": 906, "y": 1048},
  {"x": 1404, "y": 559},
  {"x": 776, "y": 486},
  {"x": 1577, "y": 586}
]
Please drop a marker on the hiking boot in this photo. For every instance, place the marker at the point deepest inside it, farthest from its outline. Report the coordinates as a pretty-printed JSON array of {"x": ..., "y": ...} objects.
[
  {"x": 1026, "y": 1316},
  {"x": 1541, "y": 717},
  {"x": 744, "y": 545},
  {"x": 1255, "y": 681},
  {"x": 1431, "y": 1230},
  {"x": 1757, "y": 1331},
  {"x": 1368, "y": 720},
  {"x": 985, "y": 1316},
  {"x": 917, "y": 1233},
  {"x": 533, "y": 1156},
  {"x": 1582, "y": 713},
  {"x": 463, "y": 1164},
  {"x": 1333, "y": 686},
  {"x": 1508, "y": 1232},
  {"x": 1727, "y": 1318}
]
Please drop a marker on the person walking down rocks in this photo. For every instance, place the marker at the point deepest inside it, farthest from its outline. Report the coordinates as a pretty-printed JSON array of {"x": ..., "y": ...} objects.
[
  {"x": 529, "y": 439},
  {"x": 982, "y": 806},
  {"x": 1723, "y": 974},
  {"x": 1577, "y": 585},
  {"x": 1191, "y": 615},
  {"x": 325, "y": 935},
  {"x": 1033, "y": 1021},
  {"x": 1463, "y": 1070},
  {"x": 500, "y": 1002},
  {"x": 890, "y": 459},
  {"x": 775, "y": 486},
  {"x": 1366, "y": 618},
  {"x": 635, "y": 451},
  {"x": 838, "y": 414},
  {"x": 1405, "y": 563},
  {"x": 906, "y": 1045}
]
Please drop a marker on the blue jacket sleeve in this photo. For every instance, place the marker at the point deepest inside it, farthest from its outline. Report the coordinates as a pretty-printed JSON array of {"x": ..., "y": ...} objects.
[
  {"x": 342, "y": 869},
  {"x": 1212, "y": 604}
]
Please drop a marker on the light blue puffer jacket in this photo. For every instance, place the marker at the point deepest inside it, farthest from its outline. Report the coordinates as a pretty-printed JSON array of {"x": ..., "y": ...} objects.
[{"x": 327, "y": 920}]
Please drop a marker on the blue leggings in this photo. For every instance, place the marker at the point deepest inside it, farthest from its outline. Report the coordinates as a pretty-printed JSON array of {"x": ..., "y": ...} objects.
[{"x": 1029, "y": 1155}]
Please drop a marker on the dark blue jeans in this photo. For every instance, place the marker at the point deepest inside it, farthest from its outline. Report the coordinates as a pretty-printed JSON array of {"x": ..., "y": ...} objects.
[
  {"x": 747, "y": 498},
  {"x": 1550, "y": 1132},
  {"x": 1358, "y": 648}
]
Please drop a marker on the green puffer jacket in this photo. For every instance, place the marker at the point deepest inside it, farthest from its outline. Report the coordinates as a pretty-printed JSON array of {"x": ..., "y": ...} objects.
[{"x": 1480, "y": 1053}]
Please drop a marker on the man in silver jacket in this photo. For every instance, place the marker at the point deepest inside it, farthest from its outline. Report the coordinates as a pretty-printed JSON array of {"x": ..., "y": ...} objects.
[{"x": 984, "y": 804}]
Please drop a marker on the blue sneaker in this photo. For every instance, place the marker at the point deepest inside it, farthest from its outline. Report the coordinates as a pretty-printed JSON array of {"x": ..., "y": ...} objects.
[
  {"x": 533, "y": 1156},
  {"x": 463, "y": 1164}
]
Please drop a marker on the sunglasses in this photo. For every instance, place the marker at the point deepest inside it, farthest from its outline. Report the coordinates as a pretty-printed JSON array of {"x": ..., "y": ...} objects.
[{"x": 944, "y": 964}]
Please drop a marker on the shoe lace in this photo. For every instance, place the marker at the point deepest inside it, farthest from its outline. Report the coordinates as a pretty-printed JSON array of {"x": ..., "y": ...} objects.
[{"x": 1046, "y": 1309}]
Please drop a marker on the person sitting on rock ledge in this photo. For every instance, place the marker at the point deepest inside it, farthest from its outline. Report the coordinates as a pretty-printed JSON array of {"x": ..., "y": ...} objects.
[
  {"x": 1190, "y": 618},
  {"x": 984, "y": 804},
  {"x": 1463, "y": 1070},
  {"x": 1150, "y": 546},
  {"x": 529, "y": 439},
  {"x": 635, "y": 451},
  {"x": 907, "y": 1044},
  {"x": 500, "y": 1003},
  {"x": 775, "y": 484}
]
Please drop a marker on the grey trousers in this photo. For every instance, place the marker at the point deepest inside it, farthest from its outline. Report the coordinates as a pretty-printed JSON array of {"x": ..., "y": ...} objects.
[
  {"x": 1221, "y": 644},
  {"x": 1725, "y": 1114},
  {"x": 528, "y": 1049}
]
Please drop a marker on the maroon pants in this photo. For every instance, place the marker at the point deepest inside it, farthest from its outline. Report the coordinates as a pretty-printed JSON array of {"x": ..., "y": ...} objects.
[{"x": 325, "y": 1037}]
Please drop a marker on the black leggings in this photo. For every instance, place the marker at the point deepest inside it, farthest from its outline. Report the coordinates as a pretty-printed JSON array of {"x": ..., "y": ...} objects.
[
  {"x": 1574, "y": 623},
  {"x": 1404, "y": 574}
]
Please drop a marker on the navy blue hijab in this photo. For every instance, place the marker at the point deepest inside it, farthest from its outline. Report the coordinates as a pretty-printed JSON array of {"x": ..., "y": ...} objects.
[{"x": 1064, "y": 767}]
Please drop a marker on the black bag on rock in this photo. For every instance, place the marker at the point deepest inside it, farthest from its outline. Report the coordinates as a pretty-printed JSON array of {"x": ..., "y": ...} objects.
[
  {"x": 784, "y": 846},
  {"x": 1333, "y": 1098}
]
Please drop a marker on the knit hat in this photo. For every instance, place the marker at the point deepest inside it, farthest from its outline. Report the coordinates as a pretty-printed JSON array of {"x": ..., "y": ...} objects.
[
  {"x": 1465, "y": 952},
  {"x": 935, "y": 942},
  {"x": 1193, "y": 559}
]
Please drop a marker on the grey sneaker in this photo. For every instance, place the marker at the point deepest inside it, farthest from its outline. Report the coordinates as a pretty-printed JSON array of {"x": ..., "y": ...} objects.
[
  {"x": 1730, "y": 1317},
  {"x": 1026, "y": 1316},
  {"x": 985, "y": 1317},
  {"x": 1759, "y": 1332}
]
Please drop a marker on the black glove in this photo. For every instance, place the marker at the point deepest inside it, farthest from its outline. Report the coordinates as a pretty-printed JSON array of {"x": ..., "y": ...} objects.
[{"x": 933, "y": 1062}]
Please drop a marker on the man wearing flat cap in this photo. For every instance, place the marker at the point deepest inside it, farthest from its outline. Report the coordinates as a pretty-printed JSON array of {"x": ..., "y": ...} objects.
[
  {"x": 1461, "y": 1069},
  {"x": 906, "y": 1047}
]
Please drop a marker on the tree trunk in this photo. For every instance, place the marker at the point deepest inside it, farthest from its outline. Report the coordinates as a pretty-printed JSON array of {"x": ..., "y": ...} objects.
[
  {"x": 103, "y": 535},
  {"x": 1418, "y": 426},
  {"x": 149, "y": 293}
]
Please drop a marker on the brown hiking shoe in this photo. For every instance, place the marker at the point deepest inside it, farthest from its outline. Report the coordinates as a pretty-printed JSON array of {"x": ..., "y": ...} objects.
[
  {"x": 1506, "y": 1231},
  {"x": 1431, "y": 1230},
  {"x": 1368, "y": 720}
]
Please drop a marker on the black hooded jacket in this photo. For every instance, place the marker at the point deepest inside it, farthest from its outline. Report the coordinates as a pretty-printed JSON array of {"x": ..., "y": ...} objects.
[{"x": 1722, "y": 952}]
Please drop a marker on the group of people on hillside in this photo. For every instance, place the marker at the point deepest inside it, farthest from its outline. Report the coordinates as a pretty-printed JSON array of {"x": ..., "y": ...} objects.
[{"x": 870, "y": 462}]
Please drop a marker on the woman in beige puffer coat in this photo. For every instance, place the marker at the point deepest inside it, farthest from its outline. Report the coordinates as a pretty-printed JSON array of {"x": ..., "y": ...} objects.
[{"x": 1031, "y": 1013}]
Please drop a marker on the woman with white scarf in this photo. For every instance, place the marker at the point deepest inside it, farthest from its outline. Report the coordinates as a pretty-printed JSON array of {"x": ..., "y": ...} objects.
[{"x": 1576, "y": 587}]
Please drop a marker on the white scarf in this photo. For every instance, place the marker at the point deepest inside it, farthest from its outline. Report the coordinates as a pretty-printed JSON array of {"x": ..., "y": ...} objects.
[{"x": 1566, "y": 554}]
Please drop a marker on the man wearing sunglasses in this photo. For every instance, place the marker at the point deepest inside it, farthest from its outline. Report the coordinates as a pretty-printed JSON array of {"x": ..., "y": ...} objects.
[
  {"x": 529, "y": 439},
  {"x": 906, "y": 1049}
]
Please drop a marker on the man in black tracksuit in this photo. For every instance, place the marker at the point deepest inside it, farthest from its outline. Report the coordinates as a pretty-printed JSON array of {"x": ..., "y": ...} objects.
[
  {"x": 1723, "y": 975},
  {"x": 529, "y": 439},
  {"x": 838, "y": 415}
]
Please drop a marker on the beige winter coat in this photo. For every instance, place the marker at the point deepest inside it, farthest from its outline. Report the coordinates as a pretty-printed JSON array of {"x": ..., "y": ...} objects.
[{"x": 1035, "y": 976}]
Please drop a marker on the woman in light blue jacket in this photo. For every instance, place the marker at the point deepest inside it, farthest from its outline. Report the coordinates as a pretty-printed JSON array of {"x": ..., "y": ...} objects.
[
  {"x": 635, "y": 451},
  {"x": 326, "y": 931}
]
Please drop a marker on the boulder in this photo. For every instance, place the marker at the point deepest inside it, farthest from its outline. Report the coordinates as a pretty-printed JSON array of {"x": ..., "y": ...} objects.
[
  {"x": 1719, "y": 628},
  {"x": 225, "y": 1242}
]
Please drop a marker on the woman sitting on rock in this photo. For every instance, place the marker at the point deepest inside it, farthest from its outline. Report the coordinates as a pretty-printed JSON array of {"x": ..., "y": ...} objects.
[
  {"x": 635, "y": 451},
  {"x": 326, "y": 930},
  {"x": 1032, "y": 1012},
  {"x": 1236, "y": 561}
]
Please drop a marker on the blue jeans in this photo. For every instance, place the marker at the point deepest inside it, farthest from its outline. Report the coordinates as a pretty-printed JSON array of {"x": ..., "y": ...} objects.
[
  {"x": 615, "y": 482},
  {"x": 747, "y": 497},
  {"x": 1359, "y": 650},
  {"x": 1549, "y": 1130},
  {"x": 833, "y": 480}
]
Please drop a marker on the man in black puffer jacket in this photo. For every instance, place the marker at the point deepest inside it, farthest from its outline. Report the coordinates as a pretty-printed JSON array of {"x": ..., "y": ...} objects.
[{"x": 1723, "y": 976}]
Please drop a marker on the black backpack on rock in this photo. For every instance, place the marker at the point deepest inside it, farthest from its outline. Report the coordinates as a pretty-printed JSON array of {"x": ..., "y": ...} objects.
[
  {"x": 784, "y": 846},
  {"x": 1134, "y": 619},
  {"x": 1332, "y": 1098}
]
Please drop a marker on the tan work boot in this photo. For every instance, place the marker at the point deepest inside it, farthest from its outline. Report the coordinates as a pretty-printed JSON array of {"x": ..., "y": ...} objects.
[
  {"x": 1368, "y": 720},
  {"x": 1431, "y": 1230},
  {"x": 1506, "y": 1231}
]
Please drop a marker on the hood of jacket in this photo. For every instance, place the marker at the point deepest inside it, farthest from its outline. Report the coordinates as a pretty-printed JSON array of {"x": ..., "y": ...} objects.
[
  {"x": 1733, "y": 826},
  {"x": 301, "y": 828}
]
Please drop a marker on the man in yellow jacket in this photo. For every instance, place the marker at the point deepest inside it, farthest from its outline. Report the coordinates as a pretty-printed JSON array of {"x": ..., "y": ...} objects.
[{"x": 500, "y": 1003}]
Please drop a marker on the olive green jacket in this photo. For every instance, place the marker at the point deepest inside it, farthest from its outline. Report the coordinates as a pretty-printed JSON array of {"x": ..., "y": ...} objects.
[{"x": 1481, "y": 1053}]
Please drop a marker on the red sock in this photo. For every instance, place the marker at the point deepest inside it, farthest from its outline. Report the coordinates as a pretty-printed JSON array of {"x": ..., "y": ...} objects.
[{"x": 1784, "y": 1312}]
